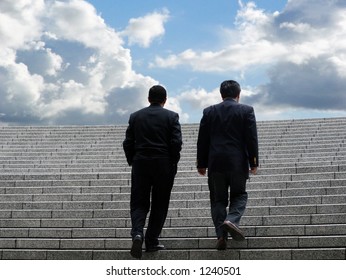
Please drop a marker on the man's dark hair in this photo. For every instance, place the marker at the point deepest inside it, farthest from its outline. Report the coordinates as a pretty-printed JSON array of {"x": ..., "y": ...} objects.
[
  {"x": 229, "y": 88},
  {"x": 157, "y": 94}
]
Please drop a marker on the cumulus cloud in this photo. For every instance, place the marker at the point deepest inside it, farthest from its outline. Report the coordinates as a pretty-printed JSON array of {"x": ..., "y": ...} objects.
[
  {"x": 144, "y": 30},
  {"x": 253, "y": 45},
  {"x": 20, "y": 22},
  {"x": 61, "y": 64},
  {"x": 200, "y": 98},
  {"x": 302, "y": 49},
  {"x": 312, "y": 86}
]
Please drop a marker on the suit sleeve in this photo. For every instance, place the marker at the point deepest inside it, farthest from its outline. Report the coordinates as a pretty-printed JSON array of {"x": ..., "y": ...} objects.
[
  {"x": 129, "y": 142},
  {"x": 176, "y": 140},
  {"x": 203, "y": 142},
  {"x": 251, "y": 138}
]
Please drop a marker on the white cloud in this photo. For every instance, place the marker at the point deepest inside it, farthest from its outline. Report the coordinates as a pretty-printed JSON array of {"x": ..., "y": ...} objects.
[
  {"x": 200, "y": 98},
  {"x": 173, "y": 103},
  {"x": 60, "y": 63},
  {"x": 301, "y": 49},
  {"x": 20, "y": 22},
  {"x": 253, "y": 46},
  {"x": 76, "y": 20},
  {"x": 144, "y": 30},
  {"x": 299, "y": 27},
  {"x": 263, "y": 39}
]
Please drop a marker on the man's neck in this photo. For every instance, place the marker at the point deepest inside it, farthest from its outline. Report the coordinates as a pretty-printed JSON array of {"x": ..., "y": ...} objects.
[{"x": 231, "y": 98}]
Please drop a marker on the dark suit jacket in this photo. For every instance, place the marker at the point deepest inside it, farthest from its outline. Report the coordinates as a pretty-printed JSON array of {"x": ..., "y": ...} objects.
[
  {"x": 153, "y": 132},
  {"x": 227, "y": 139}
]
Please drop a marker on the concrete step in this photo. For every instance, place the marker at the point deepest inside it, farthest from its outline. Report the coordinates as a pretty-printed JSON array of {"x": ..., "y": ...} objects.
[
  {"x": 80, "y": 221},
  {"x": 291, "y": 242},
  {"x": 64, "y": 194},
  {"x": 185, "y": 254},
  {"x": 178, "y": 232},
  {"x": 175, "y": 212}
]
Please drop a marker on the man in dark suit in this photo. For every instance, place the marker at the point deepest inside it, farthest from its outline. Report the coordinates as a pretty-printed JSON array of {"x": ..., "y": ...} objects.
[
  {"x": 152, "y": 147},
  {"x": 227, "y": 145}
]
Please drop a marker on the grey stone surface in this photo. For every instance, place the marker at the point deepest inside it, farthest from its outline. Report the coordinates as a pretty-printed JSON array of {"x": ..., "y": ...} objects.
[
  {"x": 30, "y": 214},
  {"x": 329, "y": 229},
  {"x": 56, "y": 214},
  {"x": 82, "y": 244},
  {"x": 289, "y": 230},
  {"x": 331, "y": 208},
  {"x": 111, "y": 255},
  {"x": 293, "y": 210},
  {"x": 7, "y": 243},
  {"x": 50, "y": 233},
  {"x": 266, "y": 254},
  {"x": 188, "y": 232},
  {"x": 69, "y": 255},
  {"x": 336, "y": 218},
  {"x": 214, "y": 255},
  {"x": 65, "y": 191},
  {"x": 319, "y": 254},
  {"x": 104, "y": 223},
  {"x": 287, "y": 220},
  {"x": 42, "y": 205},
  {"x": 300, "y": 200},
  {"x": 273, "y": 242},
  {"x": 61, "y": 223},
  {"x": 14, "y": 233},
  {"x": 94, "y": 232},
  {"x": 24, "y": 254},
  {"x": 37, "y": 243},
  {"x": 322, "y": 241},
  {"x": 5, "y": 214},
  {"x": 11, "y": 205},
  {"x": 19, "y": 223}
]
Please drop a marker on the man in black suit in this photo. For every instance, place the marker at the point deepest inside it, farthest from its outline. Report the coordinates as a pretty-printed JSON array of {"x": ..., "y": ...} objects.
[
  {"x": 227, "y": 145},
  {"x": 152, "y": 147}
]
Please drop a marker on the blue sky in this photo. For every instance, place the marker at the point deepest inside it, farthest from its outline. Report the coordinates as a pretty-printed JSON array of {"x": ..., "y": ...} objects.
[
  {"x": 194, "y": 24},
  {"x": 92, "y": 62}
]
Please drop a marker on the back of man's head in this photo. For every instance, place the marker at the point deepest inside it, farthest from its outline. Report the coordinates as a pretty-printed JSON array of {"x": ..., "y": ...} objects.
[
  {"x": 229, "y": 88},
  {"x": 157, "y": 94}
]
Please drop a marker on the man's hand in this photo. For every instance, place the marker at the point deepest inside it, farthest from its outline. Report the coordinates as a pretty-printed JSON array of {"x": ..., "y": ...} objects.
[
  {"x": 202, "y": 171},
  {"x": 253, "y": 170}
]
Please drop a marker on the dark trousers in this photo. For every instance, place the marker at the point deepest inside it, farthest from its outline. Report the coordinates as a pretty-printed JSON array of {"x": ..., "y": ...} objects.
[
  {"x": 227, "y": 189},
  {"x": 153, "y": 178}
]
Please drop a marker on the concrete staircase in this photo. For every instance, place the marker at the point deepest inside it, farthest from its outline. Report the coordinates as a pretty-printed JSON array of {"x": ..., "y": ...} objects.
[{"x": 64, "y": 194}]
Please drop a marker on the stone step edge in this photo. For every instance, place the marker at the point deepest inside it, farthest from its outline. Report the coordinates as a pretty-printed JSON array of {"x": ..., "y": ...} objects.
[
  {"x": 169, "y": 219},
  {"x": 280, "y": 242},
  {"x": 200, "y": 254}
]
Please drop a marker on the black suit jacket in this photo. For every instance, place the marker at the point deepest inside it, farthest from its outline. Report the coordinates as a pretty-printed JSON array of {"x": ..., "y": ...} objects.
[
  {"x": 153, "y": 132},
  {"x": 227, "y": 139}
]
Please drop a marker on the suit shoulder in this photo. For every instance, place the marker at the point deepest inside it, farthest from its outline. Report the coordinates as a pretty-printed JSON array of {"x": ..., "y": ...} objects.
[
  {"x": 133, "y": 114},
  {"x": 209, "y": 109}
]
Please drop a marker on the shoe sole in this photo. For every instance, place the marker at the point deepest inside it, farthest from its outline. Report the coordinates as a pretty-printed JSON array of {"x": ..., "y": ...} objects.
[
  {"x": 221, "y": 245},
  {"x": 233, "y": 231},
  {"x": 136, "y": 249}
]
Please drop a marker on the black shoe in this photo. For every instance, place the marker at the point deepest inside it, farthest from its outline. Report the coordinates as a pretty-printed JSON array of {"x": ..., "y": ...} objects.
[
  {"x": 233, "y": 230},
  {"x": 136, "y": 249},
  {"x": 155, "y": 248},
  {"x": 221, "y": 244}
]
